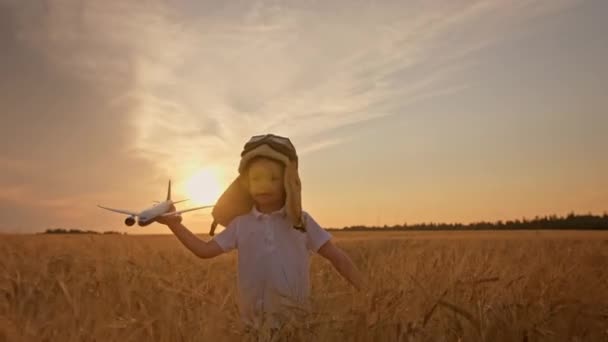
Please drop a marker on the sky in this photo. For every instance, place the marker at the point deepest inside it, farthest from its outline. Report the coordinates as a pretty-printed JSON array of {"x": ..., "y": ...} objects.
[{"x": 401, "y": 111}]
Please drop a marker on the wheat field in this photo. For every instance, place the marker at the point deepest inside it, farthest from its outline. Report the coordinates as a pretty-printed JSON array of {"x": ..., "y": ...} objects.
[{"x": 424, "y": 286}]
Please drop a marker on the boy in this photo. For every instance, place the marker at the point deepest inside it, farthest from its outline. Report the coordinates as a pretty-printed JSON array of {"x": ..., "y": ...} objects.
[{"x": 263, "y": 217}]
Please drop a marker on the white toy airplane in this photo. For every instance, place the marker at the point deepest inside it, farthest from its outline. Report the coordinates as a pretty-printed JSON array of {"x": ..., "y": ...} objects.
[{"x": 147, "y": 216}]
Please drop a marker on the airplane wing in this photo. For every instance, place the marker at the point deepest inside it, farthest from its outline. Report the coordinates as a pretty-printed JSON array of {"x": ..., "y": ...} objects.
[
  {"x": 120, "y": 211},
  {"x": 185, "y": 210}
]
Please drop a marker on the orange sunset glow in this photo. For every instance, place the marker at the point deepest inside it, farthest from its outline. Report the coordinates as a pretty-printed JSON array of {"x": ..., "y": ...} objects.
[
  {"x": 400, "y": 112},
  {"x": 204, "y": 187},
  {"x": 370, "y": 170}
]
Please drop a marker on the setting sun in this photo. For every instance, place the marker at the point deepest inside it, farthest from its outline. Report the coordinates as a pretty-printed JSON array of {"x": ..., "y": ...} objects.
[{"x": 204, "y": 186}]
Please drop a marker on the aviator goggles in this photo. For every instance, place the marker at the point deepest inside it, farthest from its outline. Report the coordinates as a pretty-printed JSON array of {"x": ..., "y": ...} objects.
[{"x": 278, "y": 143}]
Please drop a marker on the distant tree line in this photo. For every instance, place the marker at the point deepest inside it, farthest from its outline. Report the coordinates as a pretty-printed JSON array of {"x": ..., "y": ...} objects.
[
  {"x": 553, "y": 222},
  {"x": 78, "y": 231}
]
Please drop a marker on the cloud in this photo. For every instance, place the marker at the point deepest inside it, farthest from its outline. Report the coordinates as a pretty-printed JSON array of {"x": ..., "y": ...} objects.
[
  {"x": 128, "y": 90},
  {"x": 320, "y": 145},
  {"x": 304, "y": 69},
  {"x": 65, "y": 139}
]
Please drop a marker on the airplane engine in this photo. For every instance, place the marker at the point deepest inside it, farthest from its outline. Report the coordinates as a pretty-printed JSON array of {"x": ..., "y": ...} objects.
[{"x": 129, "y": 221}]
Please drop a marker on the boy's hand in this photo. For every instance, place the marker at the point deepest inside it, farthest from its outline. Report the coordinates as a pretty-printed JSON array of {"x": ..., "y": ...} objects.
[{"x": 169, "y": 220}]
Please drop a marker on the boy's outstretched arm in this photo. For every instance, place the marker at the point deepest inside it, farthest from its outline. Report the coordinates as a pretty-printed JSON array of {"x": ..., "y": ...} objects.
[
  {"x": 342, "y": 264},
  {"x": 200, "y": 248}
]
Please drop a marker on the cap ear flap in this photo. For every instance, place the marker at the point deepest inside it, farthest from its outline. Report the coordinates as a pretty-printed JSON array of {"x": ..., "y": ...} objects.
[
  {"x": 244, "y": 181},
  {"x": 293, "y": 189},
  {"x": 235, "y": 201}
]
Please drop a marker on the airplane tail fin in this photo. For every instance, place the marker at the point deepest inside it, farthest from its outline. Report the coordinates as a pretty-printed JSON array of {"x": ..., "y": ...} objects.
[{"x": 169, "y": 191}]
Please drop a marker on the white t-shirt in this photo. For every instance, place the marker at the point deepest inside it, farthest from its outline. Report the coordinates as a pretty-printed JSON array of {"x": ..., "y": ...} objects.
[{"x": 273, "y": 263}]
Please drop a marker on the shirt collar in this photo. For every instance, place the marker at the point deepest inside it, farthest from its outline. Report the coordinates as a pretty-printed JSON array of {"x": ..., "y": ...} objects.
[{"x": 258, "y": 214}]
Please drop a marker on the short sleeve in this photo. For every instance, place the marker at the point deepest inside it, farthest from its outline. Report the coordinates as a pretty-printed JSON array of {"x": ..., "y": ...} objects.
[
  {"x": 316, "y": 236},
  {"x": 226, "y": 239}
]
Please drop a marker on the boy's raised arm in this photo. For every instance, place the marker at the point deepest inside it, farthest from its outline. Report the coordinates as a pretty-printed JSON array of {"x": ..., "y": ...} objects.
[{"x": 200, "y": 248}]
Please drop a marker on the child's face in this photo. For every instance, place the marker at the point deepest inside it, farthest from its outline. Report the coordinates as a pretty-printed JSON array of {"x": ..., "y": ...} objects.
[{"x": 265, "y": 179}]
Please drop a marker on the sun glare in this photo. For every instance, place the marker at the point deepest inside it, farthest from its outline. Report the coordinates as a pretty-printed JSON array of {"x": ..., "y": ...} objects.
[{"x": 203, "y": 187}]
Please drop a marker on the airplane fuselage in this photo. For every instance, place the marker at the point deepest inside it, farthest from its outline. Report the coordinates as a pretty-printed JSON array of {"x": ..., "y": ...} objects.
[{"x": 147, "y": 216}]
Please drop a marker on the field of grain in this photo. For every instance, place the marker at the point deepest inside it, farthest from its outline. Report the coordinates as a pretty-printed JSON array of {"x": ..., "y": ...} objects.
[{"x": 426, "y": 286}]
